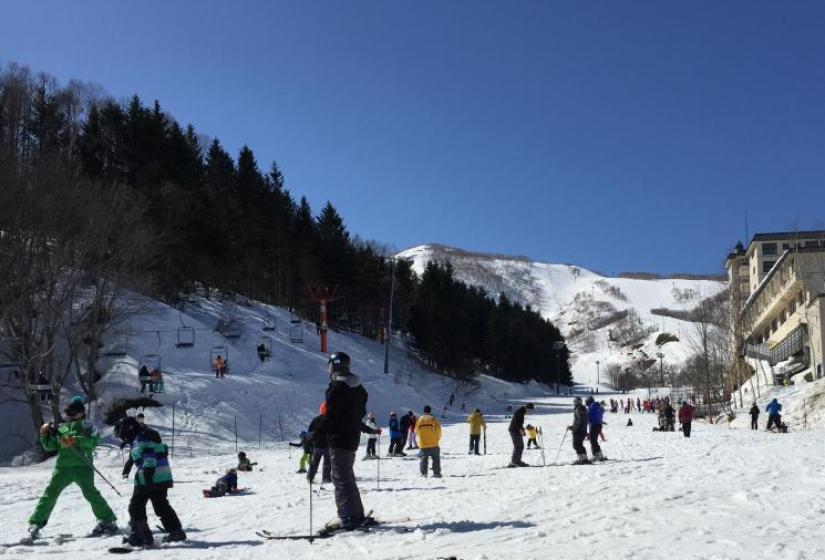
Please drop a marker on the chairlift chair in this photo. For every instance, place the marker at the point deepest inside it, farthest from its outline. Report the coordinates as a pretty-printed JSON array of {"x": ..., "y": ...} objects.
[
  {"x": 269, "y": 323},
  {"x": 233, "y": 329},
  {"x": 119, "y": 346},
  {"x": 221, "y": 351},
  {"x": 186, "y": 337},
  {"x": 296, "y": 333}
]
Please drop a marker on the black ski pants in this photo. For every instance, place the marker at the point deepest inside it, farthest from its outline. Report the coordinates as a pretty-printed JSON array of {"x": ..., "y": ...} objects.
[
  {"x": 754, "y": 419},
  {"x": 474, "y": 440},
  {"x": 595, "y": 430},
  {"x": 395, "y": 446},
  {"x": 160, "y": 503},
  {"x": 371, "y": 447},
  {"x": 518, "y": 447},
  {"x": 578, "y": 443},
  {"x": 319, "y": 453},
  {"x": 347, "y": 496},
  {"x": 686, "y": 428},
  {"x": 773, "y": 420}
]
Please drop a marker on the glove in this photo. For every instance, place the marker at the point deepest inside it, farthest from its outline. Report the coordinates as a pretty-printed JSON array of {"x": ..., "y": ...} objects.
[
  {"x": 379, "y": 431},
  {"x": 67, "y": 441},
  {"x": 45, "y": 429}
]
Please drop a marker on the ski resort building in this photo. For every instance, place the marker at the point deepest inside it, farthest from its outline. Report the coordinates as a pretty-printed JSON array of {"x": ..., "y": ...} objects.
[{"x": 778, "y": 300}]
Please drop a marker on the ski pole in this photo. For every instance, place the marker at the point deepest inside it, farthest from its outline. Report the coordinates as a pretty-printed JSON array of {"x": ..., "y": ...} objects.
[
  {"x": 556, "y": 460},
  {"x": 378, "y": 466},
  {"x": 485, "y": 440},
  {"x": 541, "y": 439},
  {"x": 310, "y": 511},
  {"x": 89, "y": 463}
]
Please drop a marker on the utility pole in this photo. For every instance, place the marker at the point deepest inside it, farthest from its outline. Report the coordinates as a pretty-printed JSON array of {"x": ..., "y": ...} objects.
[
  {"x": 558, "y": 346},
  {"x": 597, "y": 374},
  {"x": 661, "y": 369},
  {"x": 389, "y": 319}
]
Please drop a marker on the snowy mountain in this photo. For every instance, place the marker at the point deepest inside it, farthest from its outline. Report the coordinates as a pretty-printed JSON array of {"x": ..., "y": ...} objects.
[{"x": 615, "y": 321}]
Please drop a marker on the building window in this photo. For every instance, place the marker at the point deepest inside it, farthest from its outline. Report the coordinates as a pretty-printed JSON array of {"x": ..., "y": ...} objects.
[
  {"x": 769, "y": 248},
  {"x": 767, "y": 266}
]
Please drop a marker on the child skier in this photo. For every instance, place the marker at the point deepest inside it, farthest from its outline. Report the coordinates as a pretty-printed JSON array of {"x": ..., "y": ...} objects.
[
  {"x": 307, "y": 455},
  {"x": 227, "y": 484},
  {"x": 244, "y": 464},
  {"x": 320, "y": 448},
  {"x": 531, "y": 435},
  {"x": 74, "y": 441},
  {"x": 477, "y": 424},
  {"x": 153, "y": 480},
  {"x": 371, "y": 438}
]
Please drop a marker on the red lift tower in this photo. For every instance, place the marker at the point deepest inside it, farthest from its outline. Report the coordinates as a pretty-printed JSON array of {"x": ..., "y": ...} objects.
[{"x": 323, "y": 295}]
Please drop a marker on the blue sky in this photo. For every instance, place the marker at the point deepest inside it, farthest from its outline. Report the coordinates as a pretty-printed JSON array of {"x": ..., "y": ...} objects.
[{"x": 615, "y": 135}]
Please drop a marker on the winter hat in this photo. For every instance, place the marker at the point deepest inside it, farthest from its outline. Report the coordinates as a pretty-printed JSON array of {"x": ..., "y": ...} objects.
[
  {"x": 477, "y": 410},
  {"x": 392, "y": 413},
  {"x": 588, "y": 400},
  {"x": 577, "y": 400},
  {"x": 241, "y": 455},
  {"x": 427, "y": 409},
  {"x": 75, "y": 406},
  {"x": 529, "y": 406},
  {"x": 323, "y": 410}
]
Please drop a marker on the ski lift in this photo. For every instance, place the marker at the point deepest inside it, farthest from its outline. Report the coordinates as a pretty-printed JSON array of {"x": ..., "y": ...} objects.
[
  {"x": 221, "y": 351},
  {"x": 296, "y": 332},
  {"x": 119, "y": 345},
  {"x": 232, "y": 329},
  {"x": 269, "y": 323},
  {"x": 264, "y": 347},
  {"x": 294, "y": 317},
  {"x": 186, "y": 337},
  {"x": 151, "y": 362}
]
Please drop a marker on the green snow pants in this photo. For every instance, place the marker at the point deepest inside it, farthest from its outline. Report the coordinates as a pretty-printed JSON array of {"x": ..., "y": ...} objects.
[
  {"x": 63, "y": 477},
  {"x": 304, "y": 461}
]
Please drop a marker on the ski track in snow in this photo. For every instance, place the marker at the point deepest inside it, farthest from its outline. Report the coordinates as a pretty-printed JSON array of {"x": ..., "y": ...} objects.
[{"x": 722, "y": 494}]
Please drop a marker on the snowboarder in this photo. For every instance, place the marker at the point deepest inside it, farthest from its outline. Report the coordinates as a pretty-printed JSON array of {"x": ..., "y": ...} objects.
[
  {"x": 428, "y": 431},
  {"x": 516, "y": 430},
  {"x": 307, "y": 454},
  {"x": 395, "y": 437},
  {"x": 594, "y": 418},
  {"x": 346, "y": 402},
  {"x": 685, "y": 417},
  {"x": 153, "y": 479},
  {"x": 371, "y": 439},
  {"x": 774, "y": 418},
  {"x": 477, "y": 424},
  {"x": 532, "y": 433},
  {"x": 227, "y": 484},
  {"x": 74, "y": 441},
  {"x": 320, "y": 449},
  {"x": 244, "y": 464},
  {"x": 754, "y": 417},
  {"x": 579, "y": 431}
]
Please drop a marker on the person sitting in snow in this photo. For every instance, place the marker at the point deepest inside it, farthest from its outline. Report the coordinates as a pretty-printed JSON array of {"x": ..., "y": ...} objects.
[
  {"x": 306, "y": 444},
  {"x": 244, "y": 464},
  {"x": 227, "y": 484}
]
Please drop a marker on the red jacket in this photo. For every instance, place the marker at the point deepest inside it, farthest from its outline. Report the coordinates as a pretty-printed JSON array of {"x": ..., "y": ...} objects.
[{"x": 685, "y": 414}]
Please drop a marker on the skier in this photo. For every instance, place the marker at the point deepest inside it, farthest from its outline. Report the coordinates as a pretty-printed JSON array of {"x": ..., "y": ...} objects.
[
  {"x": 452, "y": 399},
  {"x": 395, "y": 437},
  {"x": 244, "y": 464},
  {"x": 307, "y": 454},
  {"x": 594, "y": 418},
  {"x": 404, "y": 425},
  {"x": 579, "y": 431},
  {"x": 153, "y": 479},
  {"x": 320, "y": 449},
  {"x": 428, "y": 431},
  {"x": 411, "y": 442},
  {"x": 669, "y": 414},
  {"x": 754, "y": 417},
  {"x": 774, "y": 418},
  {"x": 346, "y": 402},
  {"x": 508, "y": 411},
  {"x": 516, "y": 430},
  {"x": 531, "y": 436},
  {"x": 685, "y": 417},
  {"x": 74, "y": 441},
  {"x": 371, "y": 439},
  {"x": 477, "y": 423},
  {"x": 227, "y": 484}
]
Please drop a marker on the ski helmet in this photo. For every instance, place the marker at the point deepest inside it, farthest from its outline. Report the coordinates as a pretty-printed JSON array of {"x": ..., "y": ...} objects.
[
  {"x": 339, "y": 362},
  {"x": 589, "y": 400},
  {"x": 127, "y": 428},
  {"x": 75, "y": 406}
]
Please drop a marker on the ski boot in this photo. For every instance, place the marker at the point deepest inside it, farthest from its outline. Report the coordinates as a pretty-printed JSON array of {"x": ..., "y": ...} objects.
[
  {"x": 34, "y": 533},
  {"x": 104, "y": 528},
  {"x": 522, "y": 464},
  {"x": 599, "y": 457},
  {"x": 175, "y": 536},
  {"x": 301, "y": 471},
  {"x": 139, "y": 534},
  {"x": 582, "y": 459}
]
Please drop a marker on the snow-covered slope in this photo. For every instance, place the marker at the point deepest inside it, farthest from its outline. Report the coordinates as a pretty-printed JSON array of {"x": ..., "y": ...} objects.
[
  {"x": 604, "y": 319},
  {"x": 277, "y": 397}
]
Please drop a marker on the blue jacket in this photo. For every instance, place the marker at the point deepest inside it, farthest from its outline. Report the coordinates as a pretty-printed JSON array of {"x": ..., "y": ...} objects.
[
  {"x": 594, "y": 413},
  {"x": 149, "y": 456},
  {"x": 395, "y": 428},
  {"x": 773, "y": 408}
]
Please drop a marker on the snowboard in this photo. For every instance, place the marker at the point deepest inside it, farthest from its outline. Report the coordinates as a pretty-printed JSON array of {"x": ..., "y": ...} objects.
[{"x": 207, "y": 493}]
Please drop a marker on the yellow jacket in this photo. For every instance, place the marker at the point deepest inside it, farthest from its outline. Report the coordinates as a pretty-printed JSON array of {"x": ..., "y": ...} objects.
[
  {"x": 477, "y": 422},
  {"x": 531, "y": 433},
  {"x": 428, "y": 431}
]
